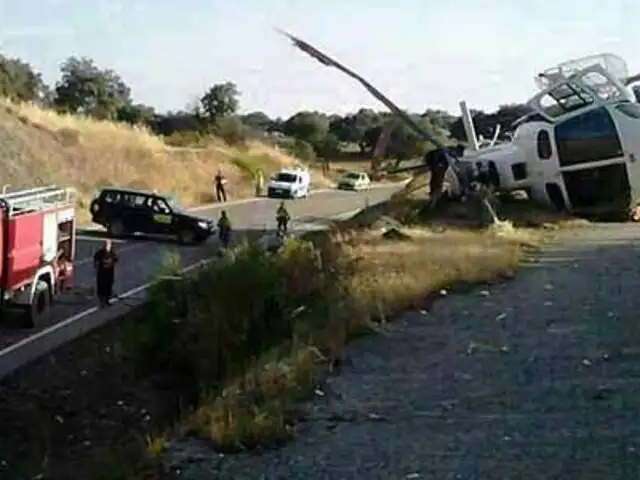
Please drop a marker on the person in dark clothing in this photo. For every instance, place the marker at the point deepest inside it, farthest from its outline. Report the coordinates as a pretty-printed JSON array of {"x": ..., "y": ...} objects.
[
  {"x": 438, "y": 162},
  {"x": 282, "y": 218},
  {"x": 224, "y": 229},
  {"x": 220, "y": 182},
  {"x": 462, "y": 170},
  {"x": 104, "y": 262}
]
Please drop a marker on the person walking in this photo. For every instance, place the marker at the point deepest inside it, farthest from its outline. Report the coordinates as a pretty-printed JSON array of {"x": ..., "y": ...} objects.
[
  {"x": 220, "y": 182},
  {"x": 224, "y": 229},
  {"x": 104, "y": 262}
]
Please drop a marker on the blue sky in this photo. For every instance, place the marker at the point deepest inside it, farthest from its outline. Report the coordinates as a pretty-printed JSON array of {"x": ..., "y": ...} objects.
[{"x": 419, "y": 54}]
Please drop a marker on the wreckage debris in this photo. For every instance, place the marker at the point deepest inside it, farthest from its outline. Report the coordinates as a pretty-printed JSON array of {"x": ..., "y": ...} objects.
[{"x": 395, "y": 234}]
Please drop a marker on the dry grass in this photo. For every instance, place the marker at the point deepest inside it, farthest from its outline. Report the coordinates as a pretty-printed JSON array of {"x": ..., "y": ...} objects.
[
  {"x": 394, "y": 275},
  {"x": 39, "y": 146},
  {"x": 390, "y": 270},
  {"x": 390, "y": 275}
]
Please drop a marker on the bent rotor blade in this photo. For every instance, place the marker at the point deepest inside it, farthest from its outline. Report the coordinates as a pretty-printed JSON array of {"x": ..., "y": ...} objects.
[{"x": 330, "y": 62}]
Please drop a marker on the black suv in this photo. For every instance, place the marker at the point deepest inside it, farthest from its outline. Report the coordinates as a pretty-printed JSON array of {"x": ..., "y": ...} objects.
[{"x": 124, "y": 211}]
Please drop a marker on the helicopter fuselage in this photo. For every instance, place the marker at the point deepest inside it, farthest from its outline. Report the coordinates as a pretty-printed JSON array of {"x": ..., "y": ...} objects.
[{"x": 577, "y": 151}]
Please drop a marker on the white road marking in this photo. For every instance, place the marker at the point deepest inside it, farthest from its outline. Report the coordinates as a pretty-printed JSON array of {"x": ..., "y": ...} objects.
[{"x": 91, "y": 238}]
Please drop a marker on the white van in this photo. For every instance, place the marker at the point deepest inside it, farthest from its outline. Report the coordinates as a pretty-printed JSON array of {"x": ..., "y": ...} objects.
[{"x": 290, "y": 183}]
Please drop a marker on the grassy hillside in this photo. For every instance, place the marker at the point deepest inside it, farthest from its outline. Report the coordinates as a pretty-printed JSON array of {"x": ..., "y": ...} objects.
[{"x": 39, "y": 147}]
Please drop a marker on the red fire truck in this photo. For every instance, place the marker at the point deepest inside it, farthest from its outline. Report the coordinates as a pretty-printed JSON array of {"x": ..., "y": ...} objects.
[{"x": 37, "y": 248}]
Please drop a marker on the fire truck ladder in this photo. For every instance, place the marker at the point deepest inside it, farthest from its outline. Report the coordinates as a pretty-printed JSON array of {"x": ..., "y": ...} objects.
[{"x": 40, "y": 198}]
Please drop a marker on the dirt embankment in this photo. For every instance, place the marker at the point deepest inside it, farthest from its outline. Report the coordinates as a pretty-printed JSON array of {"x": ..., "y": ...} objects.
[{"x": 39, "y": 147}]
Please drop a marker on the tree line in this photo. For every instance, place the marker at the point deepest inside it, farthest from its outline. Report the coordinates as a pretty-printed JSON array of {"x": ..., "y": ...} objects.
[{"x": 85, "y": 88}]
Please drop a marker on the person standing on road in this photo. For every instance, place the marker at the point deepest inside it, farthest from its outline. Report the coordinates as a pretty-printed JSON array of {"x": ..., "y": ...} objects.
[
  {"x": 220, "y": 183},
  {"x": 104, "y": 262},
  {"x": 282, "y": 218},
  {"x": 224, "y": 229}
]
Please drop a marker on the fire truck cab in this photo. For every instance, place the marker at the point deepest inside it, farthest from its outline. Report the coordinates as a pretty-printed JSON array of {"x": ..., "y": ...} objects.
[{"x": 37, "y": 248}]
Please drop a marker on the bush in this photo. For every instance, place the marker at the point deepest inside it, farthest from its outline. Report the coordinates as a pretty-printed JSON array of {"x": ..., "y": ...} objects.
[
  {"x": 203, "y": 330},
  {"x": 328, "y": 147},
  {"x": 231, "y": 130},
  {"x": 302, "y": 150},
  {"x": 188, "y": 138}
]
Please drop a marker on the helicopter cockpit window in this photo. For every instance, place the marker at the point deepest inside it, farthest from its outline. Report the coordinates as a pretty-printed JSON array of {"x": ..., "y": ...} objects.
[
  {"x": 544, "y": 145},
  {"x": 588, "y": 137},
  {"x": 600, "y": 84},
  {"x": 565, "y": 98}
]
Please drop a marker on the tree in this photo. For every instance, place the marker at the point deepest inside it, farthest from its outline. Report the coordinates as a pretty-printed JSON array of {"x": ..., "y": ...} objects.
[
  {"x": 485, "y": 124},
  {"x": 20, "y": 82},
  {"x": 86, "y": 89},
  {"x": 135, "y": 114},
  {"x": 439, "y": 121},
  {"x": 352, "y": 128},
  {"x": 310, "y": 127},
  {"x": 328, "y": 147},
  {"x": 231, "y": 129},
  {"x": 219, "y": 101},
  {"x": 172, "y": 122},
  {"x": 257, "y": 121},
  {"x": 403, "y": 143},
  {"x": 303, "y": 150}
]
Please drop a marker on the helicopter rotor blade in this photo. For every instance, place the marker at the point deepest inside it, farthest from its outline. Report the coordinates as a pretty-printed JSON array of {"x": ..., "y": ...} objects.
[{"x": 327, "y": 61}]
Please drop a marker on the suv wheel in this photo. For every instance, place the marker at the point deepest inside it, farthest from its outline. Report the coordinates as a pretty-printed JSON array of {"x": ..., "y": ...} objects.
[
  {"x": 187, "y": 237},
  {"x": 115, "y": 228}
]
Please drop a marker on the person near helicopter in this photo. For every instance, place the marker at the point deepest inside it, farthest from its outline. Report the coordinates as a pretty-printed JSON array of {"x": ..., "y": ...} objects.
[
  {"x": 224, "y": 229},
  {"x": 282, "y": 219},
  {"x": 438, "y": 162}
]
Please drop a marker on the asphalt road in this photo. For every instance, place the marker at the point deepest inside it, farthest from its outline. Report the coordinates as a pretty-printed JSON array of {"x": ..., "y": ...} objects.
[
  {"x": 533, "y": 379},
  {"x": 140, "y": 259}
]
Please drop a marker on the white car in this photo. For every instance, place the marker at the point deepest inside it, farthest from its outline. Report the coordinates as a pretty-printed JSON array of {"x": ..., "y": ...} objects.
[
  {"x": 354, "y": 181},
  {"x": 289, "y": 183}
]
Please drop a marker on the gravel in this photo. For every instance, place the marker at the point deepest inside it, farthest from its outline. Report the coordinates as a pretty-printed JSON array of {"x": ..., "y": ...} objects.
[{"x": 537, "y": 378}]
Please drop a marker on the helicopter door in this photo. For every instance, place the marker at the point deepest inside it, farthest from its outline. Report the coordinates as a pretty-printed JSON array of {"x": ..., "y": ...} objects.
[
  {"x": 627, "y": 117},
  {"x": 592, "y": 162}
]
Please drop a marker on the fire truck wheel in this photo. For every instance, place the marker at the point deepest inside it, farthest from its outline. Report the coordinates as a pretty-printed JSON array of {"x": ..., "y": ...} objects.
[
  {"x": 39, "y": 305},
  {"x": 116, "y": 229}
]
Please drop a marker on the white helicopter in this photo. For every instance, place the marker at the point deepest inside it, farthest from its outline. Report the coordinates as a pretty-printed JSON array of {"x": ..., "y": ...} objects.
[{"x": 576, "y": 151}]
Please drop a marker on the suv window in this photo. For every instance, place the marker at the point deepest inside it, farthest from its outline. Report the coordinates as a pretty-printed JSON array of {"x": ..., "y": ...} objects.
[
  {"x": 588, "y": 137},
  {"x": 629, "y": 109},
  {"x": 139, "y": 200},
  {"x": 110, "y": 196},
  {"x": 544, "y": 145},
  {"x": 159, "y": 205}
]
